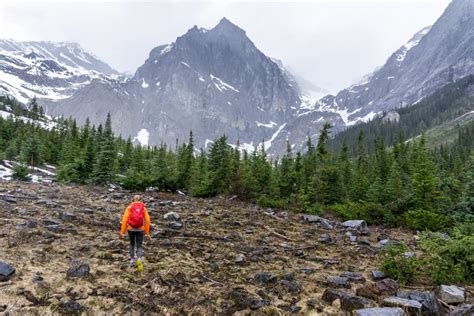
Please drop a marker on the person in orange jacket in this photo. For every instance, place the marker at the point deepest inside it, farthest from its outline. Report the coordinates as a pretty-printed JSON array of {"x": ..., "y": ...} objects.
[{"x": 137, "y": 222}]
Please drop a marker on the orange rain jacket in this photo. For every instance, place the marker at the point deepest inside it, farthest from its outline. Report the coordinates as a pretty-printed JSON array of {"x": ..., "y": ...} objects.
[{"x": 125, "y": 226}]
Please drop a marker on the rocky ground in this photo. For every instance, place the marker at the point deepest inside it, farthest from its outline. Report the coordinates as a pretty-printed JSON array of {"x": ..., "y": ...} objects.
[{"x": 213, "y": 256}]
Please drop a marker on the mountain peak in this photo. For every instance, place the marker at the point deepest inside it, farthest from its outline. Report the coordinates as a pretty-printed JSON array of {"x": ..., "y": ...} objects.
[{"x": 225, "y": 25}]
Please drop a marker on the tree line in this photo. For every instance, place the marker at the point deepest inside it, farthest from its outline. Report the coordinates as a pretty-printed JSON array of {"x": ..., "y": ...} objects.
[{"x": 406, "y": 183}]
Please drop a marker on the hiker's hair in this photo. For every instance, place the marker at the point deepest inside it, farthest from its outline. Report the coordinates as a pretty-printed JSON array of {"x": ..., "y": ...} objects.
[{"x": 137, "y": 198}]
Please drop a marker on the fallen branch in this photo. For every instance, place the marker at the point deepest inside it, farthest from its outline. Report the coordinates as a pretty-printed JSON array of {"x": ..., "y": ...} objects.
[{"x": 271, "y": 231}]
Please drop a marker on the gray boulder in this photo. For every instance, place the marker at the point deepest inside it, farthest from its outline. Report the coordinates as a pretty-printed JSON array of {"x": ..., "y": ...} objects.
[
  {"x": 380, "y": 311},
  {"x": 451, "y": 294},
  {"x": 463, "y": 310},
  {"x": 78, "y": 269},
  {"x": 240, "y": 259},
  {"x": 172, "y": 216},
  {"x": 352, "y": 302},
  {"x": 430, "y": 305},
  {"x": 176, "y": 225},
  {"x": 336, "y": 281},
  {"x": 378, "y": 275},
  {"x": 265, "y": 278},
  {"x": 412, "y": 306},
  {"x": 355, "y": 224},
  {"x": 353, "y": 276},
  {"x": 70, "y": 308},
  {"x": 6, "y": 271}
]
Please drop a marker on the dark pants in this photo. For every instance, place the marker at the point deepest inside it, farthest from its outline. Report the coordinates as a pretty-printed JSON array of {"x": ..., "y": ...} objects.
[{"x": 136, "y": 237}]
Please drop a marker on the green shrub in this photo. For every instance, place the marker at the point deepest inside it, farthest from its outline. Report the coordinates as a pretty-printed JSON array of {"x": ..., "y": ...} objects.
[
  {"x": 21, "y": 172},
  {"x": 425, "y": 220},
  {"x": 449, "y": 260},
  {"x": 397, "y": 265},
  {"x": 266, "y": 201},
  {"x": 135, "y": 180}
]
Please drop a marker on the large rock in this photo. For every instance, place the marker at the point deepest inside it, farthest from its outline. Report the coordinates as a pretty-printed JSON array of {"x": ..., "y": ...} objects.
[
  {"x": 355, "y": 224},
  {"x": 291, "y": 286},
  {"x": 26, "y": 225},
  {"x": 78, "y": 269},
  {"x": 240, "y": 259},
  {"x": 384, "y": 287},
  {"x": 172, "y": 216},
  {"x": 243, "y": 300},
  {"x": 430, "y": 305},
  {"x": 348, "y": 301},
  {"x": 67, "y": 217},
  {"x": 330, "y": 295},
  {"x": 6, "y": 271},
  {"x": 463, "y": 310},
  {"x": 353, "y": 276},
  {"x": 412, "y": 306},
  {"x": 310, "y": 218},
  {"x": 378, "y": 275},
  {"x": 336, "y": 281},
  {"x": 352, "y": 302},
  {"x": 175, "y": 225},
  {"x": 71, "y": 307},
  {"x": 380, "y": 311},
  {"x": 451, "y": 294},
  {"x": 321, "y": 222},
  {"x": 265, "y": 278}
]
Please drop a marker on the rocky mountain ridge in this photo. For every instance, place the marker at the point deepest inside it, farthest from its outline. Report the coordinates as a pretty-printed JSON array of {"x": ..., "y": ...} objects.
[{"x": 51, "y": 70}]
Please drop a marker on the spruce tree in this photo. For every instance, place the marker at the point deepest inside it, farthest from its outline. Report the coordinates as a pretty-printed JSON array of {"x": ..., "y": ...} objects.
[{"x": 104, "y": 168}]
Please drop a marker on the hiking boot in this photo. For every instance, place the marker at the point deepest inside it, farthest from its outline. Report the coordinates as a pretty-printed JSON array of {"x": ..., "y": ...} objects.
[
  {"x": 132, "y": 262},
  {"x": 140, "y": 264}
]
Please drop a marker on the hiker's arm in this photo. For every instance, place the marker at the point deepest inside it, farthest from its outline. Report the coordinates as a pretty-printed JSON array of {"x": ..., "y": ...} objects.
[
  {"x": 147, "y": 222},
  {"x": 123, "y": 229}
]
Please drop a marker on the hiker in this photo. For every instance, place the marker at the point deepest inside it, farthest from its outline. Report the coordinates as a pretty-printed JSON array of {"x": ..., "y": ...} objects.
[{"x": 137, "y": 222}]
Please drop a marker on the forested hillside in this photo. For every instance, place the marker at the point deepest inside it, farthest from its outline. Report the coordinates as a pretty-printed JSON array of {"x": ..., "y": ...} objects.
[
  {"x": 443, "y": 106},
  {"x": 425, "y": 189}
]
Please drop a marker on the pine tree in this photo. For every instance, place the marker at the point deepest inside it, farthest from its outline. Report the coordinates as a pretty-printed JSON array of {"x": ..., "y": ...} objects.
[
  {"x": 104, "y": 169},
  {"x": 345, "y": 168},
  {"x": 425, "y": 182},
  {"x": 185, "y": 163},
  {"x": 220, "y": 156},
  {"x": 361, "y": 182}
]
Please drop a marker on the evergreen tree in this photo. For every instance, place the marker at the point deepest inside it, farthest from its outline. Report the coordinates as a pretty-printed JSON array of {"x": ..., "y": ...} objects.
[{"x": 104, "y": 169}]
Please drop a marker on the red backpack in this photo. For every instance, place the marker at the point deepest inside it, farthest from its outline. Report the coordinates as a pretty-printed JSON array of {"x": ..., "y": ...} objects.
[{"x": 136, "y": 218}]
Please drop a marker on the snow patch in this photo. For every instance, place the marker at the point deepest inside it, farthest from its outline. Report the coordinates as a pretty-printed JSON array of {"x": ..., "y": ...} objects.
[
  {"x": 267, "y": 125},
  {"x": 185, "y": 64},
  {"x": 221, "y": 85},
  {"x": 142, "y": 137},
  {"x": 144, "y": 83},
  {"x": 207, "y": 142},
  {"x": 267, "y": 144},
  {"x": 167, "y": 49}
]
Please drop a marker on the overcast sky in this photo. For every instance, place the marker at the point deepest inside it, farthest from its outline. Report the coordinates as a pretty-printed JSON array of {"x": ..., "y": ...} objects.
[{"x": 330, "y": 42}]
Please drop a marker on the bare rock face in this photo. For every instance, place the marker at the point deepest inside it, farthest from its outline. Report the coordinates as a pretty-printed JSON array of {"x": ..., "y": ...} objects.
[
  {"x": 213, "y": 82},
  {"x": 432, "y": 58}
]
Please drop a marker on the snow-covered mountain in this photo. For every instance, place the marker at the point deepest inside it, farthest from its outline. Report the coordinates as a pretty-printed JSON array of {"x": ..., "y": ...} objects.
[
  {"x": 48, "y": 69},
  {"x": 212, "y": 82},
  {"x": 432, "y": 58},
  {"x": 217, "y": 82}
]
